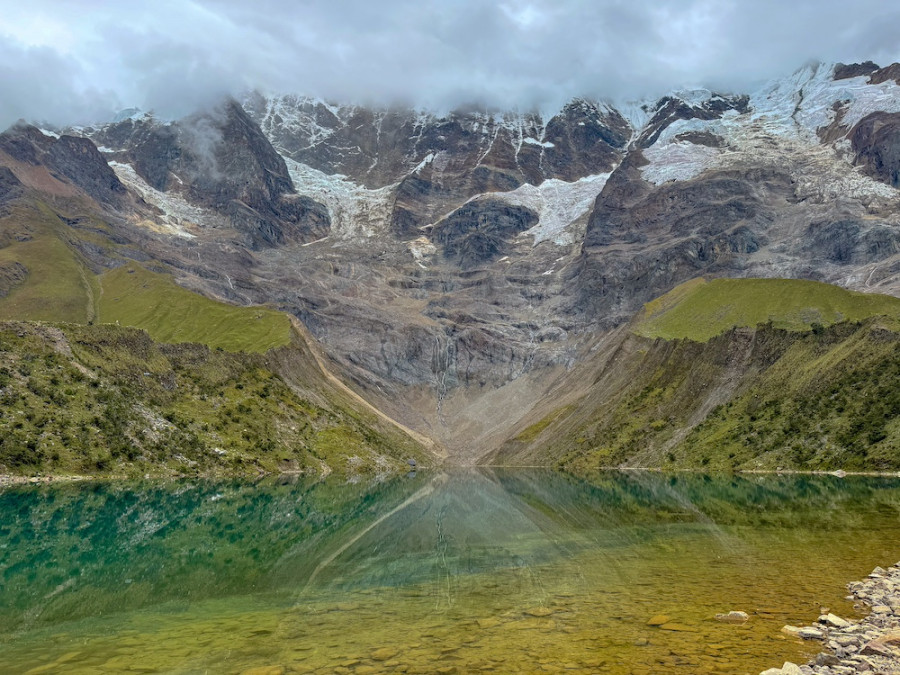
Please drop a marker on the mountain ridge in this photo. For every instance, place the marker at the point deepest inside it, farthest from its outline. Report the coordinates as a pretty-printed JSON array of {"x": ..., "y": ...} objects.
[{"x": 485, "y": 256}]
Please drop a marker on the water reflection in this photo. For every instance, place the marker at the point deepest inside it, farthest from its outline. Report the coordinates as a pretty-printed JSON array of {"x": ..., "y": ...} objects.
[{"x": 574, "y": 566}]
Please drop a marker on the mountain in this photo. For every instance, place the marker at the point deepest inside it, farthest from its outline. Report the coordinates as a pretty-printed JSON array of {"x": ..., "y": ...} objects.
[{"x": 455, "y": 266}]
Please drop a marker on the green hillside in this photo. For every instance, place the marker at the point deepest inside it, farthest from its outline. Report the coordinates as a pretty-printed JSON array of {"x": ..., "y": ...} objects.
[
  {"x": 133, "y": 296},
  {"x": 129, "y": 373},
  {"x": 700, "y": 309},
  {"x": 110, "y": 400},
  {"x": 688, "y": 389},
  {"x": 41, "y": 277}
]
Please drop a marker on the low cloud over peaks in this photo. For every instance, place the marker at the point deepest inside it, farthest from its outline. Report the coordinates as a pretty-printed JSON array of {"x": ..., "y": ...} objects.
[{"x": 71, "y": 62}]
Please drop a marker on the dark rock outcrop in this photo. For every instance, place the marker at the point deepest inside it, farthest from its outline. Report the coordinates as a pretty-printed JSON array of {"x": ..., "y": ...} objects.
[
  {"x": 72, "y": 159},
  {"x": 10, "y": 186},
  {"x": 11, "y": 275},
  {"x": 79, "y": 160},
  {"x": 844, "y": 71},
  {"x": 876, "y": 143},
  {"x": 642, "y": 240},
  {"x": 851, "y": 242},
  {"x": 480, "y": 231},
  {"x": 221, "y": 160},
  {"x": 671, "y": 108}
]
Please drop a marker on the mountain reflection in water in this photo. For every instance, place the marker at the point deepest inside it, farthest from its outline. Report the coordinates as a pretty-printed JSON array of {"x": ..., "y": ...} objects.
[{"x": 510, "y": 570}]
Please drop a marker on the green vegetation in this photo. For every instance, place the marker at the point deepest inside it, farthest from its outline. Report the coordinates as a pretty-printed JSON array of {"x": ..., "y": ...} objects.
[
  {"x": 812, "y": 387},
  {"x": 109, "y": 400},
  {"x": 133, "y": 296},
  {"x": 699, "y": 310},
  {"x": 533, "y": 431},
  {"x": 830, "y": 401},
  {"x": 235, "y": 391},
  {"x": 758, "y": 399},
  {"x": 56, "y": 285}
]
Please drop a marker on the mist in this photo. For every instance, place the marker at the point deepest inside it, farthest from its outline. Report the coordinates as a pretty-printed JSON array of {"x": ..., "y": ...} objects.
[{"x": 70, "y": 63}]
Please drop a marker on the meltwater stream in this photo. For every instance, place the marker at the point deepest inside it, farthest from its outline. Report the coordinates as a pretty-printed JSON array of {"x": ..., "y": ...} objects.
[{"x": 459, "y": 571}]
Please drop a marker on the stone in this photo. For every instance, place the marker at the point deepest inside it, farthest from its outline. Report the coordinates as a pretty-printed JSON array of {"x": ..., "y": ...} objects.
[
  {"x": 539, "y": 611},
  {"x": 811, "y": 634},
  {"x": 833, "y": 620},
  {"x": 823, "y": 659},
  {"x": 733, "y": 617},
  {"x": 791, "y": 669},
  {"x": 791, "y": 630},
  {"x": 384, "y": 653},
  {"x": 881, "y": 609},
  {"x": 658, "y": 620}
]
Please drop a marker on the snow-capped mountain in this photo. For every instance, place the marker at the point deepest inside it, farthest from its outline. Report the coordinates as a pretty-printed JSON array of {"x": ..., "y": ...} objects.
[{"x": 443, "y": 257}]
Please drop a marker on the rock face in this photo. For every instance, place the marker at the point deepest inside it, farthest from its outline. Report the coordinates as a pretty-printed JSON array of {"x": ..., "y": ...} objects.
[
  {"x": 876, "y": 142},
  {"x": 221, "y": 160},
  {"x": 455, "y": 263},
  {"x": 480, "y": 231},
  {"x": 10, "y": 186},
  {"x": 73, "y": 158},
  {"x": 438, "y": 162}
]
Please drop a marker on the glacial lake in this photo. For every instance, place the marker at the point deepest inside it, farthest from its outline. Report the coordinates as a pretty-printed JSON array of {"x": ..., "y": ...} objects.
[{"x": 461, "y": 571}]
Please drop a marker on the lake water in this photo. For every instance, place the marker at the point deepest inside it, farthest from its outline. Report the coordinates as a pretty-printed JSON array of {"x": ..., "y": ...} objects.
[{"x": 459, "y": 571}]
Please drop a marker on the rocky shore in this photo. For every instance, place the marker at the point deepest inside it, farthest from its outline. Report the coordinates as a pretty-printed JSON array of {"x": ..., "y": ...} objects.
[{"x": 871, "y": 645}]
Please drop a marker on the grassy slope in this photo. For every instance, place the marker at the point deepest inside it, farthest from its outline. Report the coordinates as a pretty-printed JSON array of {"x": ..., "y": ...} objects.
[
  {"x": 108, "y": 399},
  {"x": 763, "y": 397},
  {"x": 58, "y": 286},
  {"x": 699, "y": 310},
  {"x": 133, "y": 296},
  {"x": 110, "y": 422}
]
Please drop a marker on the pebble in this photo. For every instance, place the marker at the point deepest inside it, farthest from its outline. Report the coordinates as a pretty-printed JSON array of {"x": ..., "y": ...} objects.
[{"x": 811, "y": 634}]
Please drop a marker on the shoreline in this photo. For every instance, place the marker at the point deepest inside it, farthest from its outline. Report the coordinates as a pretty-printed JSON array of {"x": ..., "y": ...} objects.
[
  {"x": 869, "y": 645},
  {"x": 16, "y": 479}
]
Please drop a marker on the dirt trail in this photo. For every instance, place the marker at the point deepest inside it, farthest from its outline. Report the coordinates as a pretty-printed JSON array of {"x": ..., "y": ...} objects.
[{"x": 429, "y": 443}]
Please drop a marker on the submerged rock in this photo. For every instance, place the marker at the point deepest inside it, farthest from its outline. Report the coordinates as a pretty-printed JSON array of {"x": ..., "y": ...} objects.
[
  {"x": 733, "y": 617},
  {"x": 384, "y": 653}
]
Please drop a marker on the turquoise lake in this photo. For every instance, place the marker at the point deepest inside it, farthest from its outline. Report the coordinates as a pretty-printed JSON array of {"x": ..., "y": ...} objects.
[{"x": 458, "y": 571}]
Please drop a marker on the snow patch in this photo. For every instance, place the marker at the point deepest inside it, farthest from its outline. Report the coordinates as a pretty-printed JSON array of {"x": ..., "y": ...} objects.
[
  {"x": 355, "y": 211},
  {"x": 677, "y": 161},
  {"x": 534, "y": 141},
  {"x": 780, "y": 131},
  {"x": 558, "y": 204},
  {"x": 429, "y": 158},
  {"x": 178, "y": 214}
]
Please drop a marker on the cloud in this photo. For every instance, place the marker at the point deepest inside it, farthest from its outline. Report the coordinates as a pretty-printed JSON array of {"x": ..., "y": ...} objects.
[{"x": 66, "y": 62}]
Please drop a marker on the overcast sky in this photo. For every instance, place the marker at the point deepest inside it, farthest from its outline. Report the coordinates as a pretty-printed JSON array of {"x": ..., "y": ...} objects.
[{"x": 64, "y": 61}]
